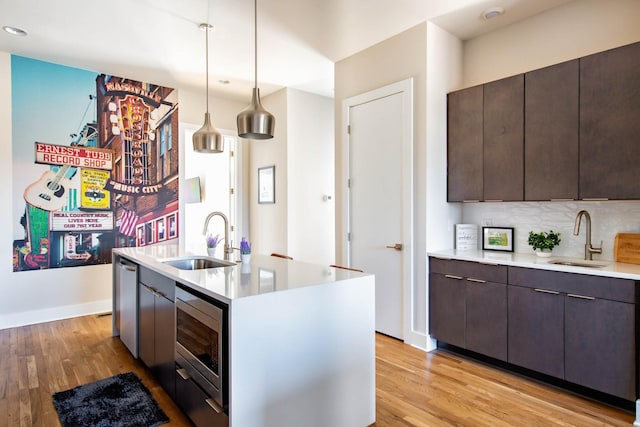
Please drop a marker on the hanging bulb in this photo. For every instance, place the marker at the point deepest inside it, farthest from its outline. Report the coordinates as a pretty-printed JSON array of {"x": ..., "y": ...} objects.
[
  {"x": 254, "y": 122},
  {"x": 207, "y": 139}
]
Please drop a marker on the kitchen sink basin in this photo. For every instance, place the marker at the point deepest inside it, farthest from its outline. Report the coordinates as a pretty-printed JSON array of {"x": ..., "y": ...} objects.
[
  {"x": 196, "y": 263},
  {"x": 572, "y": 263}
]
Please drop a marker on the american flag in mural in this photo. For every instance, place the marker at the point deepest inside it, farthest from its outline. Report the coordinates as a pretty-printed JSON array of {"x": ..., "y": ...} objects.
[{"x": 128, "y": 222}]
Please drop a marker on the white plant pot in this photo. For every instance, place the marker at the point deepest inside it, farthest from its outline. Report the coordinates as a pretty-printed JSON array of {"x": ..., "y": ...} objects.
[
  {"x": 211, "y": 251},
  {"x": 246, "y": 258},
  {"x": 544, "y": 254}
]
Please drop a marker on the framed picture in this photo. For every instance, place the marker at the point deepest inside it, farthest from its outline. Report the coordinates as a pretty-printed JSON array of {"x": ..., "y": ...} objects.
[
  {"x": 497, "y": 238},
  {"x": 172, "y": 226},
  {"x": 266, "y": 184}
]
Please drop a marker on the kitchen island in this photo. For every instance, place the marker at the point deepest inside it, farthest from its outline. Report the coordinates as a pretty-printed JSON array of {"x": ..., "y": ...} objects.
[{"x": 300, "y": 337}]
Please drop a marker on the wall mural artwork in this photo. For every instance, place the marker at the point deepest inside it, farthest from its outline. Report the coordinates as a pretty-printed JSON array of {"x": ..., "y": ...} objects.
[{"x": 95, "y": 160}]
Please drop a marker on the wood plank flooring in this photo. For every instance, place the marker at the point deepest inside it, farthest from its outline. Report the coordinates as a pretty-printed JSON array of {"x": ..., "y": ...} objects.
[{"x": 413, "y": 388}]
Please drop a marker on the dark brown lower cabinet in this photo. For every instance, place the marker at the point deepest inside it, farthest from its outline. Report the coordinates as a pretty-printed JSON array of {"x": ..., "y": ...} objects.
[
  {"x": 600, "y": 345},
  {"x": 536, "y": 332},
  {"x": 486, "y": 318},
  {"x": 467, "y": 307},
  {"x": 447, "y": 309}
]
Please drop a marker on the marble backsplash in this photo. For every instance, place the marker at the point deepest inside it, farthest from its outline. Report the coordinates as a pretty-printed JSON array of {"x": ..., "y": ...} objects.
[{"x": 607, "y": 219}]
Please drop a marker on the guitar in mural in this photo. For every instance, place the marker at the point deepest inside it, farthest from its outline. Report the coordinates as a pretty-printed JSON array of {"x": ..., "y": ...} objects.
[{"x": 49, "y": 192}]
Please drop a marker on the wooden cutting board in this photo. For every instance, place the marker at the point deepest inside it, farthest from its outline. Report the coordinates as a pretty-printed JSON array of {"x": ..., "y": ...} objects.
[{"x": 626, "y": 248}]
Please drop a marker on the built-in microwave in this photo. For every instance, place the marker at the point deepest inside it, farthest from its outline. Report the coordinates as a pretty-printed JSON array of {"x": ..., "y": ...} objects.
[{"x": 201, "y": 343}]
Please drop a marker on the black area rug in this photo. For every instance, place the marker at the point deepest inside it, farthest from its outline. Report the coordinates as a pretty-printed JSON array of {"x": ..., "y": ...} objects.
[{"x": 121, "y": 400}]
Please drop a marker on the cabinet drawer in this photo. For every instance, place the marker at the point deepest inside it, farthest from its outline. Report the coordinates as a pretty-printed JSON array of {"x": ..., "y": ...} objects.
[
  {"x": 158, "y": 282},
  {"x": 469, "y": 269},
  {"x": 572, "y": 283}
]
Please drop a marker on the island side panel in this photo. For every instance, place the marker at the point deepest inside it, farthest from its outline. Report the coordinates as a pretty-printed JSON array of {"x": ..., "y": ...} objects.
[{"x": 305, "y": 356}]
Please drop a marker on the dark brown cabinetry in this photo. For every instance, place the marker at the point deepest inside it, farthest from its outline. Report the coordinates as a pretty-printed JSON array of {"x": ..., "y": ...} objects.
[
  {"x": 157, "y": 326},
  {"x": 610, "y": 124},
  {"x": 197, "y": 403},
  {"x": 536, "y": 335},
  {"x": 551, "y": 137},
  {"x": 503, "y": 164},
  {"x": 468, "y": 305},
  {"x": 464, "y": 129},
  {"x": 576, "y": 327},
  {"x": 568, "y": 131}
]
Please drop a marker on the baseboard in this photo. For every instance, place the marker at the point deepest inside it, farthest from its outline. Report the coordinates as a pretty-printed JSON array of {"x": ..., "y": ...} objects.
[{"x": 14, "y": 320}]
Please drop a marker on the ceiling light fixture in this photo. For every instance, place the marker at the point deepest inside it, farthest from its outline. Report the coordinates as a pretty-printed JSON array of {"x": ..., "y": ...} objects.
[
  {"x": 15, "y": 31},
  {"x": 493, "y": 12},
  {"x": 207, "y": 139},
  {"x": 254, "y": 122}
]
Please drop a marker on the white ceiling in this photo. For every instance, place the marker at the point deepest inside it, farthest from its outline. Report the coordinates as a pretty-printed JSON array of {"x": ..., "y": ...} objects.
[{"x": 298, "y": 40}]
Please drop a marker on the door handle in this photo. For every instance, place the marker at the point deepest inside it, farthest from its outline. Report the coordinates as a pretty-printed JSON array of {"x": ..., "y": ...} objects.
[{"x": 397, "y": 246}]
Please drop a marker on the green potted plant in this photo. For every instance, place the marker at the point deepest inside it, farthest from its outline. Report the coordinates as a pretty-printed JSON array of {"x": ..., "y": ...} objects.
[{"x": 544, "y": 242}]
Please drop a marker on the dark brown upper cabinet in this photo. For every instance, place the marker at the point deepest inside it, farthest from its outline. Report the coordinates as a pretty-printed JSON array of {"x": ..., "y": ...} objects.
[
  {"x": 464, "y": 147},
  {"x": 503, "y": 172},
  {"x": 610, "y": 124},
  {"x": 551, "y": 138}
]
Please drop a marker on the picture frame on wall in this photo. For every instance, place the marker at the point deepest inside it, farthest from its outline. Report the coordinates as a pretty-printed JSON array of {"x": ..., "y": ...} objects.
[
  {"x": 497, "y": 239},
  {"x": 266, "y": 185}
]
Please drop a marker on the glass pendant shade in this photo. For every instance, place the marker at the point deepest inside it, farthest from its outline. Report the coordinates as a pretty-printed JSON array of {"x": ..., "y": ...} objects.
[
  {"x": 207, "y": 139},
  {"x": 254, "y": 122}
]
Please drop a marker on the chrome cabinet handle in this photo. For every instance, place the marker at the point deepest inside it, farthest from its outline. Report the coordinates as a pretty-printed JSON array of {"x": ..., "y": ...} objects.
[
  {"x": 581, "y": 297},
  {"x": 544, "y": 291},
  {"x": 397, "y": 246},
  {"x": 450, "y": 276},
  {"x": 212, "y": 403},
  {"x": 476, "y": 280},
  {"x": 183, "y": 373}
]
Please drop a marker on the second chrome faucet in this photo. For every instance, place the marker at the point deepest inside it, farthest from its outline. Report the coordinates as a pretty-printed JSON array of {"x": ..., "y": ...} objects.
[{"x": 589, "y": 250}]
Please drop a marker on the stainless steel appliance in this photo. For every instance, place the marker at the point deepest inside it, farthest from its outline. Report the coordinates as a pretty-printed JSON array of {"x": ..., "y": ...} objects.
[
  {"x": 201, "y": 355},
  {"x": 127, "y": 303}
]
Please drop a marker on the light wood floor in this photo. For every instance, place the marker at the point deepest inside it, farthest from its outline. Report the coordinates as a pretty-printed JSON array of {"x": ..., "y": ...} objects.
[{"x": 413, "y": 388}]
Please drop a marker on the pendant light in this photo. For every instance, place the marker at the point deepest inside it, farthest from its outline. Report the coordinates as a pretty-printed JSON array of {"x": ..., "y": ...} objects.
[
  {"x": 254, "y": 122},
  {"x": 207, "y": 139}
]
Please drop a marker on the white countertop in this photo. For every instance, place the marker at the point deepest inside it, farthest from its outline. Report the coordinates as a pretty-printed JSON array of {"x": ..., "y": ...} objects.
[
  {"x": 611, "y": 268},
  {"x": 264, "y": 274}
]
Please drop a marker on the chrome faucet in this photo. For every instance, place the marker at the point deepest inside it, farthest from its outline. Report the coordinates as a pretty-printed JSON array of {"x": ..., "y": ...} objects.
[
  {"x": 589, "y": 250},
  {"x": 228, "y": 250}
]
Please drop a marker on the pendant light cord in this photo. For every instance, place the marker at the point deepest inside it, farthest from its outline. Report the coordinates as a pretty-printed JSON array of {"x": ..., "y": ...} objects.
[
  {"x": 206, "y": 30},
  {"x": 255, "y": 43}
]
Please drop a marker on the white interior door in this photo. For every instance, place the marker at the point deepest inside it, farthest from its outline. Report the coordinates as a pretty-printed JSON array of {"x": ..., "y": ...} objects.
[{"x": 380, "y": 200}]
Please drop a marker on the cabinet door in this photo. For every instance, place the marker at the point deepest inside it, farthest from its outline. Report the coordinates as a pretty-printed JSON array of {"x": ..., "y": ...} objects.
[
  {"x": 486, "y": 318},
  {"x": 464, "y": 145},
  {"x": 146, "y": 325},
  {"x": 609, "y": 124},
  {"x": 536, "y": 338},
  {"x": 551, "y": 132},
  {"x": 600, "y": 345},
  {"x": 165, "y": 344},
  {"x": 447, "y": 309},
  {"x": 503, "y": 139}
]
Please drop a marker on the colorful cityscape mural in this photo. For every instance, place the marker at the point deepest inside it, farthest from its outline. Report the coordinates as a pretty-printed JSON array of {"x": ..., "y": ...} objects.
[{"x": 95, "y": 161}]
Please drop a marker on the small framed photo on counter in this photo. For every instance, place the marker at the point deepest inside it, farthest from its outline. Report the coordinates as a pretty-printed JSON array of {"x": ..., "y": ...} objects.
[
  {"x": 497, "y": 239},
  {"x": 466, "y": 237}
]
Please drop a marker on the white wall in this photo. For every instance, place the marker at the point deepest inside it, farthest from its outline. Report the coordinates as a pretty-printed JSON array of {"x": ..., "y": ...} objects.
[
  {"x": 310, "y": 155},
  {"x": 268, "y": 222},
  {"x": 571, "y": 31},
  {"x": 393, "y": 60},
  {"x": 300, "y": 223}
]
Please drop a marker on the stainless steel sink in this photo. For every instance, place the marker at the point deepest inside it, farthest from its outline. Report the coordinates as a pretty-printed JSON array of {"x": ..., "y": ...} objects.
[
  {"x": 196, "y": 263},
  {"x": 585, "y": 263}
]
